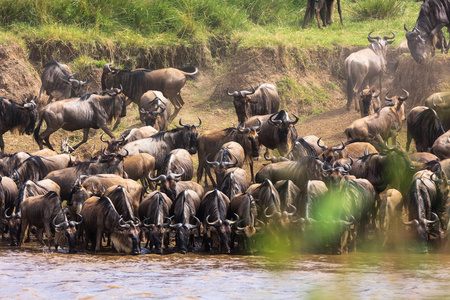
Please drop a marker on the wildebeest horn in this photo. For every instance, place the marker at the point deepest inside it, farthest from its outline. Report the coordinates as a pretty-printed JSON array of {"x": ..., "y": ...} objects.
[
  {"x": 347, "y": 166},
  {"x": 246, "y": 93},
  {"x": 197, "y": 224},
  {"x": 199, "y": 122},
  {"x": 243, "y": 130},
  {"x": 176, "y": 176},
  {"x": 403, "y": 98},
  {"x": 240, "y": 228},
  {"x": 231, "y": 164},
  {"x": 318, "y": 144},
  {"x": 175, "y": 226},
  {"x": 270, "y": 216},
  {"x": 146, "y": 225},
  {"x": 274, "y": 122},
  {"x": 292, "y": 122},
  {"x": 101, "y": 139},
  {"x": 120, "y": 155},
  {"x": 62, "y": 225},
  {"x": 181, "y": 124},
  {"x": 214, "y": 164},
  {"x": 160, "y": 177},
  {"x": 213, "y": 223},
  {"x": 326, "y": 167},
  {"x": 5, "y": 214},
  {"x": 235, "y": 94},
  {"x": 386, "y": 97},
  {"x": 257, "y": 127},
  {"x": 373, "y": 39},
  {"x": 435, "y": 219},
  {"x": 406, "y": 29},
  {"x": 389, "y": 38},
  {"x": 81, "y": 220},
  {"x": 268, "y": 158},
  {"x": 339, "y": 148},
  {"x": 409, "y": 222},
  {"x": 294, "y": 210},
  {"x": 260, "y": 222},
  {"x": 109, "y": 65},
  {"x": 435, "y": 180},
  {"x": 234, "y": 221}
]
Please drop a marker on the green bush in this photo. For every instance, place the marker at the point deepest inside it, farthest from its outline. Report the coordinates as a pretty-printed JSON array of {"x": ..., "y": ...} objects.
[{"x": 376, "y": 9}]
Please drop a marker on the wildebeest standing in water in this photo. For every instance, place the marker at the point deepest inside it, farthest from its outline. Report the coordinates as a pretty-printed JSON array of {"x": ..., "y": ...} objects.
[
  {"x": 262, "y": 100},
  {"x": 58, "y": 82},
  {"x": 16, "y": 117},
  {"x": 89, "y": 111},
  {"x": 135, "y": 83},
  {"x": 362, "y": 67},
  {"x": 433, "y": 16},
  {"x": 325, "y": 9}
]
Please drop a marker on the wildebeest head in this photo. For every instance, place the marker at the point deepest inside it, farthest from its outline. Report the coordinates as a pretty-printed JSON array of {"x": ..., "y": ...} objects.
[
  {"x": 70, "y": 231},
  {"x": 420, "y": 44},
  {"x": 154, "y": 111},
  {"x": 330, "y": 154},
  {"x": 223, "y": 229},
  {"x": 419, "y": 229},
  {"x": 397, "y": 102},
  {"x": 108, "y": 75},
  {"x": 367, "y": 96},
  {"x": 284, "y": 125},
  {"x": 378, "y": 44},
  {"x": 334, "y": 174},
  {"x": 114, "y": 145},
  {"x": 192, "y": 137},
  {"x": 14, "y": 225},
  {"x": 241, "y": 101},
  {"x": 168, "y": 183},
  {"x": 183, "y": 231},
  {"x": 76, "y": 85},
  {"x": 252, "y": 135},
  {"x": 30, "y": 107},
  {"x": 125, "y": 237},
  {"x": 77, "y": 196}
]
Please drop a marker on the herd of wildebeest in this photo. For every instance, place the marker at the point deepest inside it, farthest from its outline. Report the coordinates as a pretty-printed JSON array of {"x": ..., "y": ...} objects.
[{"x": 139, "y": 187}]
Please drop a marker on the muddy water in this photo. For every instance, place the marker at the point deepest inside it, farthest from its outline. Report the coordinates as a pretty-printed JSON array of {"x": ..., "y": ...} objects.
[{"x": 40, "y": 274}]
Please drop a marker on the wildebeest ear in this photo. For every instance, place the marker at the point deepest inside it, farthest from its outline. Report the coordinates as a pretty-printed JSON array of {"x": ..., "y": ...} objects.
[{"x": 389, "y": 42}]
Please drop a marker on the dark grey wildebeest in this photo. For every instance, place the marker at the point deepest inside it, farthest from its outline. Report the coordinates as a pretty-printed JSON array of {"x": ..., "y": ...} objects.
[
  {"x": 58, "y": 83},
  {"x": 89, "y": 111},
  {"x": 364, "y": 66}
]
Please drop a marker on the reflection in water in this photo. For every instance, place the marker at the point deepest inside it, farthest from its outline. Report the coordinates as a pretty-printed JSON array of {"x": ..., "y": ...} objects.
[{"x": 39, "y": 274}]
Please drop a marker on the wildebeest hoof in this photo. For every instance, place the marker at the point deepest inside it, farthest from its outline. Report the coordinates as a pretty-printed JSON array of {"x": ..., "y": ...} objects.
[{"x": 183, "y": 252}]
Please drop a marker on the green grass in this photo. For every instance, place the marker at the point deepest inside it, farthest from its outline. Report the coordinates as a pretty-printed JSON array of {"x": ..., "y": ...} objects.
[{"x": 117, "y": 25}]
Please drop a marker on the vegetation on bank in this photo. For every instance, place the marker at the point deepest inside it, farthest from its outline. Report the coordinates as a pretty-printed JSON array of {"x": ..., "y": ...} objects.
[{"x": 86, "y": 25}]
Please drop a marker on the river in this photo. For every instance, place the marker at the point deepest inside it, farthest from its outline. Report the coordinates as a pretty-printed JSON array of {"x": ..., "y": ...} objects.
[{"x": 38, "y": 273}]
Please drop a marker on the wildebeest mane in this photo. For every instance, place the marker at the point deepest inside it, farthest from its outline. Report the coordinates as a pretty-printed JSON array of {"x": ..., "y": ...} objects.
[
  {"x": 12, "y": 117},
  {"x": 122, "y": 207},
  {"x": 55, "y": 63},
  {"x": 418, "y": 188},
  {"x": 105, "y": 205},
  {"x": 425, "y": 129},
  {"x": 310, "y": 150},
  {"x": 27, "y": 168}
]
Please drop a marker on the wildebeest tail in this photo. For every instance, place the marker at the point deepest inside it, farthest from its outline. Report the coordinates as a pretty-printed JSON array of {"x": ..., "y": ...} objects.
[
  {"x": 349, "y": 91},
  {"x": 189, "y": 71},
  {"x": 37, "y": 129}
]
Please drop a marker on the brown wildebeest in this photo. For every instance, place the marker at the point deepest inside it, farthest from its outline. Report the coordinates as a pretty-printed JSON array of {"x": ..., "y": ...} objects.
[
  {"x": 441, "y": 147},
  {"x": 381, "y": 126},
  {"x": 325, "y": 9},
  {"x": 154, "y": 110},
  {"x": 179, "y": 161},
  {"x": 262, "y": 100},
  {"x": 58, "y": 83},
  {"x": 135, "y": 83},
  {"x": 369, "y": 101},
  {"x": 362, "y": 67},
  {"x": 211, "y": 141},
  {"x": 89, "y": 111},
  {"x": 230, "y": 155}
]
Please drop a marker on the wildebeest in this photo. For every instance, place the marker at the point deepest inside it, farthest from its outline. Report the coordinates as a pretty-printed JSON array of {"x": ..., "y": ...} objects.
[
  {"x": 154, "y": 210},
  {"x": 234, "y": 182},
  {"x": 418, "y": 204},
  {"x": 154, "y": 110},
  {"x": 309, "y": 145},
  {"x": 244, "y": 206},
  {"x": 362, "y": 67},
  {"x": 262, "y": 100},
  {"x": 389, "y": 215},
  {"x": 433, "y": 16},
  {"x": 135, "y": 83},
  {"x": 230, "y": 155},
  {"x": 179, "y": 161},
  {"x": 39, "y": 211},
  {"x": 277, "y": 131},
  {"x": 185, "y": 209},
  {"x": 299, "y": 171},
  {"x": 66, "y": 233},
  {"x": 139, "y": 166},
  {"x": 9, "y": 162},
  {"x": 59, "y": 83},
  {"x": 424, "y": 126},
  {"x": 440, "y": 102},
  {"x": 36, "y": 168},
  {"x": 122, "y": 202},
  {"x": 369, "y": 101},
  {"x": 160, "y": 144},
  {"x": 386, "y": 123},
  {"x": 8, "y": 202},
  {"x": 100, "y": 217},
  {"x": 89, "y": 111},
  {"x": 172, "y": 186},
  {"x": 211, "y": 141},
  {"x": 129, "y": 136},
  {"x": 353, "y": 150},
  {"x": 325, "y": 9},
  {"x": 213, "y": 213},
  {"x": 441, "y": 147},
  {"x": 16, "y": 118}
]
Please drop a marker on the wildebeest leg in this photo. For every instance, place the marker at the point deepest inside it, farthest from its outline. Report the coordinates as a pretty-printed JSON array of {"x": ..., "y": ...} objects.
[
  {"x": 2, "y": 144},
  {"x": 408, "y": 140},
  {"x": 98, "y": 241},
  {"x": 200, "y": 171},
  {"x": 50, "y": 98},
  {"x": 48, "y": 232},
  {"x": 116, "y": 124},
  {"x": 85, "y": 138},
  {"x": 22, "y": 233},
  {"x": 40, "y": 236},
  {"x": 208, "y": 174},
  {"x": 251, "y": 171},
  {"x": 318, "y": 8},
  {"x": 380, "y": 141},
  {"x": 178, "y": 103},
  {"x": 306, "y": 18},
  {"x": 45, "y": 136},
  {"x": 339, "y": 10}
]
